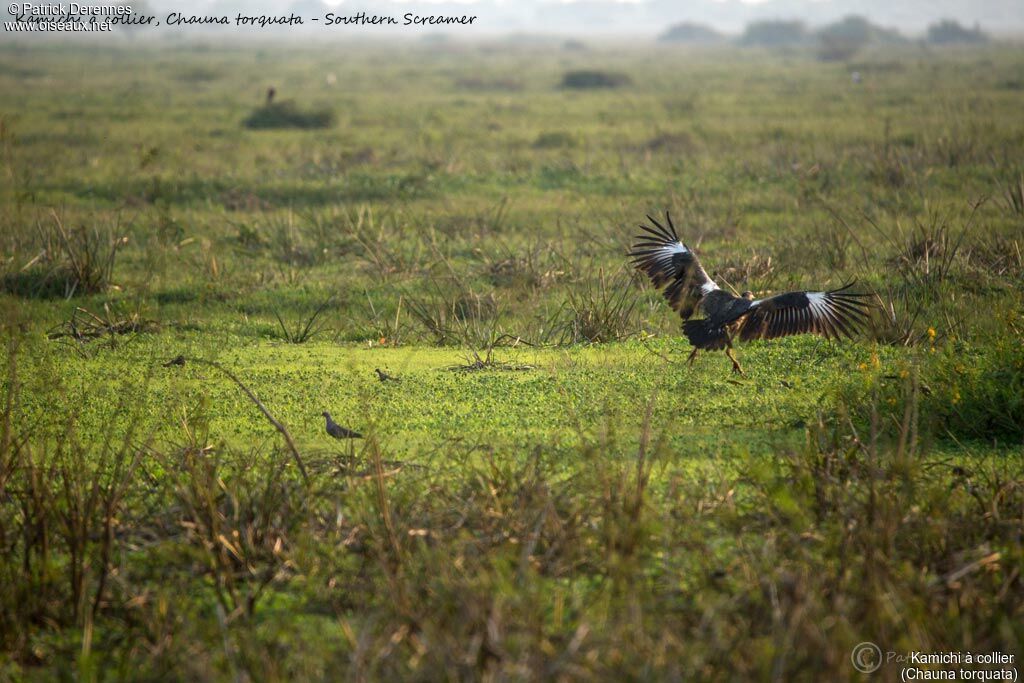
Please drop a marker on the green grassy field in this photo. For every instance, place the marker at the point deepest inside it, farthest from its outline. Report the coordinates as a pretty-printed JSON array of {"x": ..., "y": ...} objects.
[{"x": 548, "y": 491}]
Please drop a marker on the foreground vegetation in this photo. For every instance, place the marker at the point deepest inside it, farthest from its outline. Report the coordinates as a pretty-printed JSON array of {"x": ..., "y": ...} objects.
[{"x": 547, "y": 491}]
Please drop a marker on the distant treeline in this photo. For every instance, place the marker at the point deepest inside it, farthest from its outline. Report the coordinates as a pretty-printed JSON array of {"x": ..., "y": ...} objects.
[{"x": 836, "y": 41}]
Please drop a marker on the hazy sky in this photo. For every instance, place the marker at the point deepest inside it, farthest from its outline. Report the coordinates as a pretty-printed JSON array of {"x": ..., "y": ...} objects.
[
  {"x": 591, "y": 18},
  {"x": 645, "y": 16}
]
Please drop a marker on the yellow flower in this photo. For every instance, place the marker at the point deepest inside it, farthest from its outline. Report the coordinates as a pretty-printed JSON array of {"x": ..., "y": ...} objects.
[{"x": 931, "y": 333}]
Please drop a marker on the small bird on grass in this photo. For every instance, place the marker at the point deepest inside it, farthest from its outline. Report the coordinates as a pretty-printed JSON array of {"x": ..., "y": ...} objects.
[
  {"x": 177, "y": 360},
  {"x": 337, "y": 431},
  {"x": 669, "y": 263},
  {"x": 385, "y": 377}
]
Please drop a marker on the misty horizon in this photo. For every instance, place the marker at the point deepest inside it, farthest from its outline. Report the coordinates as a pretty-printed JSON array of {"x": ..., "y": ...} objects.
[{"x": 582, "y": 18}]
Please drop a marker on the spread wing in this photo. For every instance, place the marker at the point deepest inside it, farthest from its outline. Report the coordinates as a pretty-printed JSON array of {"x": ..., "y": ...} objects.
[
  {"x": 667, "y": 261},
  {"x": 831, "y": 314}
]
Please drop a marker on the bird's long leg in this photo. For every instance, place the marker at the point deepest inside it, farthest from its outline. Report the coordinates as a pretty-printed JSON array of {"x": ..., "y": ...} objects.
[
  {"x": 735, "y": 363},
  {"x": 693, "y": 355}
]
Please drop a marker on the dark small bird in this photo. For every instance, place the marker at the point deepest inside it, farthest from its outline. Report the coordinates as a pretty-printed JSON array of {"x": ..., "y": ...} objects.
[
  {"x": 385, "y": 377},
  {"x": 337, "y": 431},
  {"x": 671, "y": 264},
  {"x": 177, "y": 360},
  {"x": 270, "y": 95}
]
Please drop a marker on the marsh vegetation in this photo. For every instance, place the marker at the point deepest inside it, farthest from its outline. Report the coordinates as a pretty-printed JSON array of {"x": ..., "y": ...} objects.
[{"x": 548, "y": 492}]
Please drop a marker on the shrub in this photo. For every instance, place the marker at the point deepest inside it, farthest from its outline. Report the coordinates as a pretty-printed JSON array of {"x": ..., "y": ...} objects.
[
  {"x": 841, "y": 40},
  {"x": 587, "y": 79},
  {"x": 949, "y": 31},
  {"x": 774, "y": 33},
  {"x": 692, "y": 33},
  {"x": 287, "y": 114}
]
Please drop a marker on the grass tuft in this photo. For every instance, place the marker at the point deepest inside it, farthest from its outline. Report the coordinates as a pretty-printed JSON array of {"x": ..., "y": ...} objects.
[
  {"x": 78, "y": 261},
  {"x": 305, "y": 329},
  {"x": 599, "y": 310}
]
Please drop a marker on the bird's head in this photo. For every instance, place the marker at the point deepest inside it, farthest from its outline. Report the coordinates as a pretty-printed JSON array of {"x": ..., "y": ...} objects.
[
  {"x": 326, "y": 414},
  {"x": 748, "y": 295}
]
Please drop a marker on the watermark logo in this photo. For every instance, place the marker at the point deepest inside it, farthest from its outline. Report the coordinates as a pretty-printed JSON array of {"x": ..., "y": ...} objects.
[{"x": 866, "y": 657}]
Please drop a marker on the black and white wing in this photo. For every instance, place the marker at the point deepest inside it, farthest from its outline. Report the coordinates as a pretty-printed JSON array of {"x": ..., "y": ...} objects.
[
  {"x": 663, "y": 257},
  {"x": 831, "y": 314}
]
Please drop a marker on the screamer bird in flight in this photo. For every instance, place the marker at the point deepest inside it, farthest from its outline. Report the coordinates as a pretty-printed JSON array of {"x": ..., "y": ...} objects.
[{"x": 671, "y": 265}]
